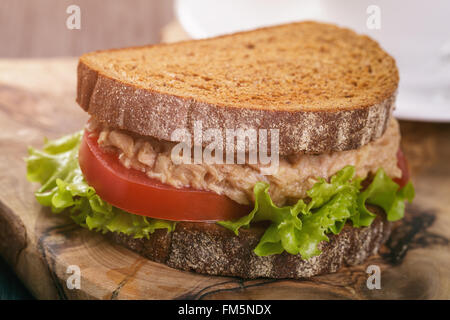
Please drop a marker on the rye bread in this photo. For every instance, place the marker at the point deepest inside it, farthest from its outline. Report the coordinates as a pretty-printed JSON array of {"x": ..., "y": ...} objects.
[
  {"x": 211, "y": 249},
  {"x": 324, "y": 87}
]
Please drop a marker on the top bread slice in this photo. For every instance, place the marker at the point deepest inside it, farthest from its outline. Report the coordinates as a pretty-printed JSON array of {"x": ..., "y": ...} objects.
[{"x": 324, "y": 87}]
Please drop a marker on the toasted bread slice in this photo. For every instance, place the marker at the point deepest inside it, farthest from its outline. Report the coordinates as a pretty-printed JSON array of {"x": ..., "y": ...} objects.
[
  {"x": 211, "y": 249},
  {"x": 325, "y": 88}
]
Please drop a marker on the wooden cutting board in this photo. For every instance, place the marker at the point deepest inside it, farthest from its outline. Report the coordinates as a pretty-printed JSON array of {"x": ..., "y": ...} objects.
[{"x": 37, "y": 100}]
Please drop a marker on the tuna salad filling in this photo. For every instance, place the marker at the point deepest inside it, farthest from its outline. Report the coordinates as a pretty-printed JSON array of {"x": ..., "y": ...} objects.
[
  {"x": 297, "y": 227},
  {"x": 295, "y": 175}
]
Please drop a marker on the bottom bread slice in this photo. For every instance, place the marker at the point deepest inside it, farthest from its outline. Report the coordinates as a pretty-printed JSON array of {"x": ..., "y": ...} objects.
[{"x": 211, "y": 249}]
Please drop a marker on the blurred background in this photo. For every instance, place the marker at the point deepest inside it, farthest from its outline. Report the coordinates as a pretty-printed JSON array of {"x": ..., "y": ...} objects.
[{"x": 37, "y": 28}]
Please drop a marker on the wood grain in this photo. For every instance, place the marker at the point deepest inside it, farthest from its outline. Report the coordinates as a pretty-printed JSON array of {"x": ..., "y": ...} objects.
[{"x": 40, "y": 245}]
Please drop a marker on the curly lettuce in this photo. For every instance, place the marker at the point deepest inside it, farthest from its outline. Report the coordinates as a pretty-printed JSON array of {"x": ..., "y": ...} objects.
[
  {"x": 63, "y": 187},
  {"x": 298, "y": 229}
]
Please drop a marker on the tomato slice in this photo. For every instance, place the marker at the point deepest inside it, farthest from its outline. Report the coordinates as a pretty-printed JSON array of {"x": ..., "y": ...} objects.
[
  {"x": 402, "y": 163},
  {"x": 133, "y": 191}
]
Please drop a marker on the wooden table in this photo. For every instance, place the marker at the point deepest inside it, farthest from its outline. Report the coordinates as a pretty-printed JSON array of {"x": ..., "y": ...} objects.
[{"x": 37, "y": 100}]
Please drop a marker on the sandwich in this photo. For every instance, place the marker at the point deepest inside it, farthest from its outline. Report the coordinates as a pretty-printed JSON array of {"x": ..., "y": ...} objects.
[{"x": 267, "y": 153}]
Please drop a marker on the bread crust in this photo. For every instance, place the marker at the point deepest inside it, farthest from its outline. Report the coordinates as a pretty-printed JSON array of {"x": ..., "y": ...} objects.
[
  {"x": 149, "y": 112},
  {"x": 211, "y": 249}
]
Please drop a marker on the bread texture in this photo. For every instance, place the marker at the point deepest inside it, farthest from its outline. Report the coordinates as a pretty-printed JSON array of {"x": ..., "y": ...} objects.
[
  {"x": 211, "y": 249},
  {"x": 324, "y": 87}
]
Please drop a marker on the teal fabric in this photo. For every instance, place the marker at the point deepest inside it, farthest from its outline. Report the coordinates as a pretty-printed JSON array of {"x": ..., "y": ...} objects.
[{"x": 11, "y": 288}]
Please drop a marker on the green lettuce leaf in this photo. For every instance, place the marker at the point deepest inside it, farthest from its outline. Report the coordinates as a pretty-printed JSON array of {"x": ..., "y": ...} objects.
[
  {"x": 280, "y": 235},
  {"x": 300, "y": 228},
  {"x": 296, "y": 229},
  {"x": 63, "y": 187},
  {"x": 385, "y": 193}
]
